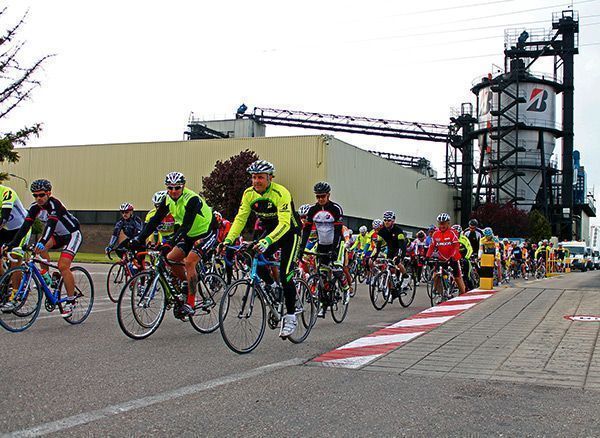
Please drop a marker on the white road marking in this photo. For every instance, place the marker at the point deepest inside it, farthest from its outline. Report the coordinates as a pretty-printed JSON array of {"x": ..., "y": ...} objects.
[
  {"x": 449, "y": 308},
  {"x": 383, "y": 339},
  {"x": 141, "y": 403},
  {"x": 350, "y": 362},
  {"x": 422, "y": 321}
]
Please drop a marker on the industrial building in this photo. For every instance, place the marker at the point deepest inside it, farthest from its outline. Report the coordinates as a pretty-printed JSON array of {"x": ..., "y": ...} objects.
[{"x": 93, "y": 180}]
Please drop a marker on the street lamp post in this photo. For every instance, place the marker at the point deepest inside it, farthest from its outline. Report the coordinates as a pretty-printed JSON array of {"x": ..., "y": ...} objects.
[{"x": 21, "y": 178}]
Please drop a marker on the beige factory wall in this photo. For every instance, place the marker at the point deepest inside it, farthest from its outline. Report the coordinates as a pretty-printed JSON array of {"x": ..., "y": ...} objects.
[
  {"x": 100, "y": 177},
  {"x": 365, "y": 186}
]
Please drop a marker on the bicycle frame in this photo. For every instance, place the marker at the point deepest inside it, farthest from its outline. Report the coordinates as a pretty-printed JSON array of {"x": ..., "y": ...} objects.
[
  {"x": 33, "y": 271},
  {"x": 274, "y": 303}
]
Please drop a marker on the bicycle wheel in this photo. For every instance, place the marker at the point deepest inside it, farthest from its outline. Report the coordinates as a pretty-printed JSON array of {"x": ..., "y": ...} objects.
[
  {"x": 142, "y": 305},
  {"x": 208, "y": 299},
  {"x": 339, "y": 310},
  {"x": 242, "y": 317},
  {"x": 27, "y": 299},
  {"x": 354, "y": 285},
  {"x": 306, "y": 312},
  {"x": 84, "y": 295},
  {"x": 117, "y": 276},
  {"x": 314, "y": 290},
  {"x": 407, "y": 296},
  {"x": 379, "y": 290},
  {"x": 437, "y": 297}
]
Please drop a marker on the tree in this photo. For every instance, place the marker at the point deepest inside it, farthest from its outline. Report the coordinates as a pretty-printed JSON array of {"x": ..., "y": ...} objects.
[
  {"x": 505, "y": 219},
  {"x": 224, "y": 187},
  {"x": 17, "y": 82},
  {"x": 539, "y": 227}
]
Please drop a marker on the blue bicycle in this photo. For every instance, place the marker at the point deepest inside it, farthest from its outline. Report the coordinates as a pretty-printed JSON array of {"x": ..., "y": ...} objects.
[
  {"x": 24, "y": 285},
  {"x": 243, "y": 315}
]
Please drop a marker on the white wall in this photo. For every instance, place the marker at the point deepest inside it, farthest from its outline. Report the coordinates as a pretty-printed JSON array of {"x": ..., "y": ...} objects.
[{"x": 366, "y": 185}]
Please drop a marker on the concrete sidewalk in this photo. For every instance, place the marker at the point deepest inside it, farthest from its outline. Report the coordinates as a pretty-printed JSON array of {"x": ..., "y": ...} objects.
[{"x": 517, "y": 335}]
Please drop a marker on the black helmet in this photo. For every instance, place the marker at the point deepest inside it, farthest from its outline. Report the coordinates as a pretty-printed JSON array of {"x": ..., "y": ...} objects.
[
  {"x": 473, "y": 223},
  {"x": 41, "y": 185},
  {"x": 322, "y": 187}
]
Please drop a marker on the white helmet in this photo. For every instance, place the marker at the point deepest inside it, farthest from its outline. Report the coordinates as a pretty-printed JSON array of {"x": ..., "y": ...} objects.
[
  {"x": 261, "y": 166},
  {"x": 126, "y": 206},
  {"x": 174, "y": 178},
  {"x": 303, "y": 210},
  {"x": 362, "y": 229},
  {"x": 377, "y": 223},
  {"x": 158, "y": 197},
  {"x": 350, "y": 232},
  {"x": 443, "y": 217},
  {"x": 389, "y": 215}
]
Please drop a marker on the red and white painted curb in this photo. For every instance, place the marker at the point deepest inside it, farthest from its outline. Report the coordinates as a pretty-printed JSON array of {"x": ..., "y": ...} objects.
[{"x": 360, "y": 352}]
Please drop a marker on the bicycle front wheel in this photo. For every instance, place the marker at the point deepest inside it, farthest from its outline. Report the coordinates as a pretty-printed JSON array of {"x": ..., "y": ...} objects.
[
  {"x": 407, "y": 295},
  {"x": 379, "y": 290},
  {"x": 339, "y": 308},
  {"x": 23, "y": 289},
  {"x": 84, "y": 295},
  {"x": 117, "y": 276},
  {"x": 142, "y": 305},
  {"x": 306, "y": 311},
  {"x": 208, "y": 299},
  {"x": 242, "y": 317}
]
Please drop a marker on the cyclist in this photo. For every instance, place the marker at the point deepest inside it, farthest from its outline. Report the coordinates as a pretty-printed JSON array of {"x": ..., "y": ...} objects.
[
  {"x": 326, "y": 215},
  {"x": 465, "y": 252},
  {"x": 417, "y": 250},
  {"x": 273, "y": 205},
  {"x": 167, "y": 226},
  {"x": 392, "y": 234},
  {"x": 445, "y": 241},
  {"x": 126, "y": 228},
  {"x": 61, "y": 230},
  {"x": 12, "y": 217},
  {"x": 196, "y": 234},
  {"x": 516, "y": 258},
  {"x": 474, "y": 234},
  {"x": 489, "y": 245}
]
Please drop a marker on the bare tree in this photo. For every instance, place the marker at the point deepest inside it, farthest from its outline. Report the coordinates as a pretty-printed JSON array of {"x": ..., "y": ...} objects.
[{"x": 17, "y": 82}]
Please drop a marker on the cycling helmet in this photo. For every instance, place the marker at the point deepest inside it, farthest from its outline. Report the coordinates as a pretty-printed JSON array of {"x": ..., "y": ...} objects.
[
  {"x": 174, "y": 178},
  {"x": 126, "y": 206},
  {"x": 487, "y": 232},
  {"x": 377, "y": 223},
  {"x": 41, "y": 185},
  {"x": 389, "y": 215},
  {"x": 322, "y": 187},
  {"x": 303, "y": 210},
  {"x": 545, "y": 241},
  {"x": 473, "y": 223},
  {"x": 443, "y": 217},
  {"x": 261, "y": 166},
  {"x": 362, "y": 229},
  {"x": 350, "y": 232},
  {"x": 217, "y": 215},
  {"x": 430, "y": 228},
  {"x": 158, "y": 197},
  {"x": 457, "y": 228},
  {"x": 505, "y": 240},
  {"x": 421, "y": 234}
]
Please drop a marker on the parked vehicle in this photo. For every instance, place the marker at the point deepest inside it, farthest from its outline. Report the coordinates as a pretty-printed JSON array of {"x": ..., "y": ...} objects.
[{"x": 580, "y": 255}]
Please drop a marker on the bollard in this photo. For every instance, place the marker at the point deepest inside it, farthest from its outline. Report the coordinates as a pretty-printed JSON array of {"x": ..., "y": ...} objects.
[{"x": 486, "y": 271}]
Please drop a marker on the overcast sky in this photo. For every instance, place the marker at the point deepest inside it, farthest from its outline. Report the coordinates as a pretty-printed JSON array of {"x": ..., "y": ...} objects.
[{"x": 128, "y": 71}]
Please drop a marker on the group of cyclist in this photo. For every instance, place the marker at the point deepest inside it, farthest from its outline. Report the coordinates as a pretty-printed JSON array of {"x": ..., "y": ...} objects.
[{"x": 186, "y": 229}]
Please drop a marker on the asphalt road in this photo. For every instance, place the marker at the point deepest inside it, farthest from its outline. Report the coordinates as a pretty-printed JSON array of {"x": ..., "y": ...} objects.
[{"x": 93, "y": 380}]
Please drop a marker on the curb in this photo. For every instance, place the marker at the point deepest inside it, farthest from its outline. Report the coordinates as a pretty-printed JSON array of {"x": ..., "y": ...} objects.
[{"x": 365, "y": 350}]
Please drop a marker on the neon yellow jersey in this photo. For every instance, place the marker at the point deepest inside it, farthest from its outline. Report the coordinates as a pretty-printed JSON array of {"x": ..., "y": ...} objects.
[
  {"x": 274, "y": 208},
  {"x": 489, "y": 246},
  {"x": 203, "y": 217},
  {"x": 166, "y": 227},
  {"x": 11, "y": 200},
  {"x": 363, "y": 243}
]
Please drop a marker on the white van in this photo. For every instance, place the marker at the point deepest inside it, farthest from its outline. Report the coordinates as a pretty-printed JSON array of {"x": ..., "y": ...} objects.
[{"x": 580, "y": 255}]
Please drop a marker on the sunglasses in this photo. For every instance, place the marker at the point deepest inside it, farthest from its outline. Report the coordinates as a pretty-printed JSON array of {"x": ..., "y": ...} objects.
[
  {"x": 39, "y": 195},
  {"x": 388, "y": 220},
  {"x": 173, "y": 188},
  {"x": 321, "y": 196}
]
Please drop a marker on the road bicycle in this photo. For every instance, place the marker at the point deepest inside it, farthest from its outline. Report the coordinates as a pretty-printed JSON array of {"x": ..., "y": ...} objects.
[
  {"x": 327, "y": 289},
  {"x": 442, "y": 285},
  {"x": 243, "y": 312},
  {"x": 147, "y": 296},
  {"x": 119, "y": 273},
  {"x": 24, "y": 285},
  {"x": 385, "y": 285}
]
